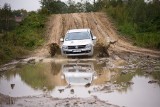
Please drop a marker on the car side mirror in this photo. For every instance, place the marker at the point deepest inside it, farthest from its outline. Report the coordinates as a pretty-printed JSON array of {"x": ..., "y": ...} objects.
[
  {"x": 61, "y": 40},
  {"x": 94, "y": 38}
]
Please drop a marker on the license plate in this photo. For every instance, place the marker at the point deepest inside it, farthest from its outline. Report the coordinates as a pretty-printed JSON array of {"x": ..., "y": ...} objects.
[{"x": 76, "y": 50}]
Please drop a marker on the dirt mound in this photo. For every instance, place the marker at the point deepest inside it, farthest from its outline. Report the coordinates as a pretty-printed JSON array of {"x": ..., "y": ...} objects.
[{"x": 99, "y": 24}]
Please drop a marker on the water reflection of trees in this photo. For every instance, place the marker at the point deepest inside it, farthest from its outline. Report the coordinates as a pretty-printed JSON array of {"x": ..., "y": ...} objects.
[
  {"x": 156, "y": 75},
  {"x": 9, "y": 74},
  {"x": 37, "y": 76},
  {"x": 43, "y": 75},
  {"x": 124, "y": 80},
  {"x": 55, "y": 68}
]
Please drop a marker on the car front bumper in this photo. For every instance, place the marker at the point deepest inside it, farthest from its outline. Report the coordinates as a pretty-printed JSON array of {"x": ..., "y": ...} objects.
[{"x": 77, "y": 52}]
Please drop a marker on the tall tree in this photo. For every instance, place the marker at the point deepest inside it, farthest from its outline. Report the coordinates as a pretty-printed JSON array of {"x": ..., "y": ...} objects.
[
  {"x": 6, "y": 17},
  {"x": 54, "y": 6}
]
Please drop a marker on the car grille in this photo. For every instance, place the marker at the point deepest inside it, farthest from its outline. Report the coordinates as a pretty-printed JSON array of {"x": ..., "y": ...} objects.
[
  {"x": 77, "y": 47},
  {"x": 88, "y": 51}
]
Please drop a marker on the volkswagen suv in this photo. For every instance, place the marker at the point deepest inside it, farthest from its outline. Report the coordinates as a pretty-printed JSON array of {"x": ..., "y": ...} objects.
[{"x": 78, "y": 42}]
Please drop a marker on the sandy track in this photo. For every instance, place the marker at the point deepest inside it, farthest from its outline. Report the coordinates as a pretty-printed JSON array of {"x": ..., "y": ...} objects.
[{"x": 100, "y": 25}]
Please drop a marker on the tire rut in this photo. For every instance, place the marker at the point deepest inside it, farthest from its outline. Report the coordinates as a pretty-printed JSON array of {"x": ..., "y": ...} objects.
[
  {"x": 121, "y": 44},
  {"x": 100, "y": 25}
]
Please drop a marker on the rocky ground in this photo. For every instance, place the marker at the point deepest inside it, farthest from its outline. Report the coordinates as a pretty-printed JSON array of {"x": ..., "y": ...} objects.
[{"x": 49, "y": 101}]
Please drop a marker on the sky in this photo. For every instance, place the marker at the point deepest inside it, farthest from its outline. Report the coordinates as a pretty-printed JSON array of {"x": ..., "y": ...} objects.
[{"x": 29, "y": 5}]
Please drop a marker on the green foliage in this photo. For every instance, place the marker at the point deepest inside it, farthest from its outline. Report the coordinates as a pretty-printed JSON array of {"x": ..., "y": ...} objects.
[
  {"x": 137, "y": 20},
  {"x": 27, "y": 35},
  {"x": 3, "y": 54},
  {"x": 20, "y": 13},
  {"x": 54, "y": 7},
  {"x": 127, "y": 29},
  {"x": 43, "y": 11},
  {"x": 7, "y": 22},
  {"x": 57, "y": 6},
  {"x": 89, "y": 7},
  {"x": 149, "y": 40},
  {"x": 8, "y": 52}
]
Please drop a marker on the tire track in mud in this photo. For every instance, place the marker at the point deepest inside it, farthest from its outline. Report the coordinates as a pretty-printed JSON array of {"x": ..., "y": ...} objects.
[
  {"x": 78, "y": 20},
  {"x": 100, "y": 29},
  {"x": 112, "y": 34},
  {"x": 121, "y": 45},
  {"x": 88, "y": 23},
  {"x": 99, "y": 24},
  {"x": 66, "y": 25},
  {"x": 63, "y": 27},
  {"x": 53, "y": 33},
  {"x": 107, "y": 40},
  {"x": 70, "y": 23},
  {"x": 57, "y": 30},
  {"x": 75, "y": 21},
  {"x": 85, "y": 20}
]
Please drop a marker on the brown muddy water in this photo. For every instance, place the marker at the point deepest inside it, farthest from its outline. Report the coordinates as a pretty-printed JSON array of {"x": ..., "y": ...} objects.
[{"x": 117, "y": 82}]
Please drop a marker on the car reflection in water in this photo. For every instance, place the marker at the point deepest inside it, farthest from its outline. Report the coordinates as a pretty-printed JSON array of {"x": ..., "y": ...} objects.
[{"x": 78, "y": 73}]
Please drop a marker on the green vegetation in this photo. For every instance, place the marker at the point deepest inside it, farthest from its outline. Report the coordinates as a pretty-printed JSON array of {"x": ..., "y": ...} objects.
[
  {"x": 23, "y": 37},
  {"x": 136, "y": 20},
  {"x": 6, "y": 21},
  {"x": 29, "y": 32},
  {"x": 57, "y": 6}
]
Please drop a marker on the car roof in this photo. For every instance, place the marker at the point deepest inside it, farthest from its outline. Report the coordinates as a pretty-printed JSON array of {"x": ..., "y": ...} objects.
[{"x": 78, "y": 30}]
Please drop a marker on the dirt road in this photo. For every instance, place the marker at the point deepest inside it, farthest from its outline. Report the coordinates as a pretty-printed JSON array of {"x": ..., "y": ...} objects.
[
  {"x": 101, "y": 27},
  {"x": 106, "y": 33}
]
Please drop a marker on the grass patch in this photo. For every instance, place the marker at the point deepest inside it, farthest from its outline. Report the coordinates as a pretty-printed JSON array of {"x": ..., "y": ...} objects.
[
  {"x": 27, "y": 36},
  {"x": 137, "y": 24}
]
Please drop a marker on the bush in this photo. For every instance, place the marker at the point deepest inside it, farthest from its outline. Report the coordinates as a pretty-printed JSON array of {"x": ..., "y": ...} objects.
[
  {"x": 137, "y": 20},
  {"x": 149, "y": 40},
  {"x": 27, "y": 36}
]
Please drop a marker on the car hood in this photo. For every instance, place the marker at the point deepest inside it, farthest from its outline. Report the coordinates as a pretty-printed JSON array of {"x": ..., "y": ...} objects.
[
  {"x": 78, "y": 78},
  {"x": 77, "y": 42}
]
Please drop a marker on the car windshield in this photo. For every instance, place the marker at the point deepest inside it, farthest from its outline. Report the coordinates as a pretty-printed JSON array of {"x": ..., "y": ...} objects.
[{"x": 77, "y": 36}]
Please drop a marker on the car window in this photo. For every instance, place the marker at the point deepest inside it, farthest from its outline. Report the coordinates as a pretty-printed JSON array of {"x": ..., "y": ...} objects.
[{"x": 77, "y": 36}]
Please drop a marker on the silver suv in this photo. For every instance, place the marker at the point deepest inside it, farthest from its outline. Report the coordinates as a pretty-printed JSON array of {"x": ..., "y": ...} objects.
[
  {"x": 78, "y": 42},
  {"x": 78, "y": 73}
]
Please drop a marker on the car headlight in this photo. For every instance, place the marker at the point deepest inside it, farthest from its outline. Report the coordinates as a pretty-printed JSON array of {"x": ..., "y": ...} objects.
[
  {"x": 65, "y": 47},
  {"x": 88, "y": 46}
]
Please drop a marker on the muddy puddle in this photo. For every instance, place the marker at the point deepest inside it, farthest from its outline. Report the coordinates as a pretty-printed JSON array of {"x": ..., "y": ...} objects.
[{"x": 116, "y": 82}]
